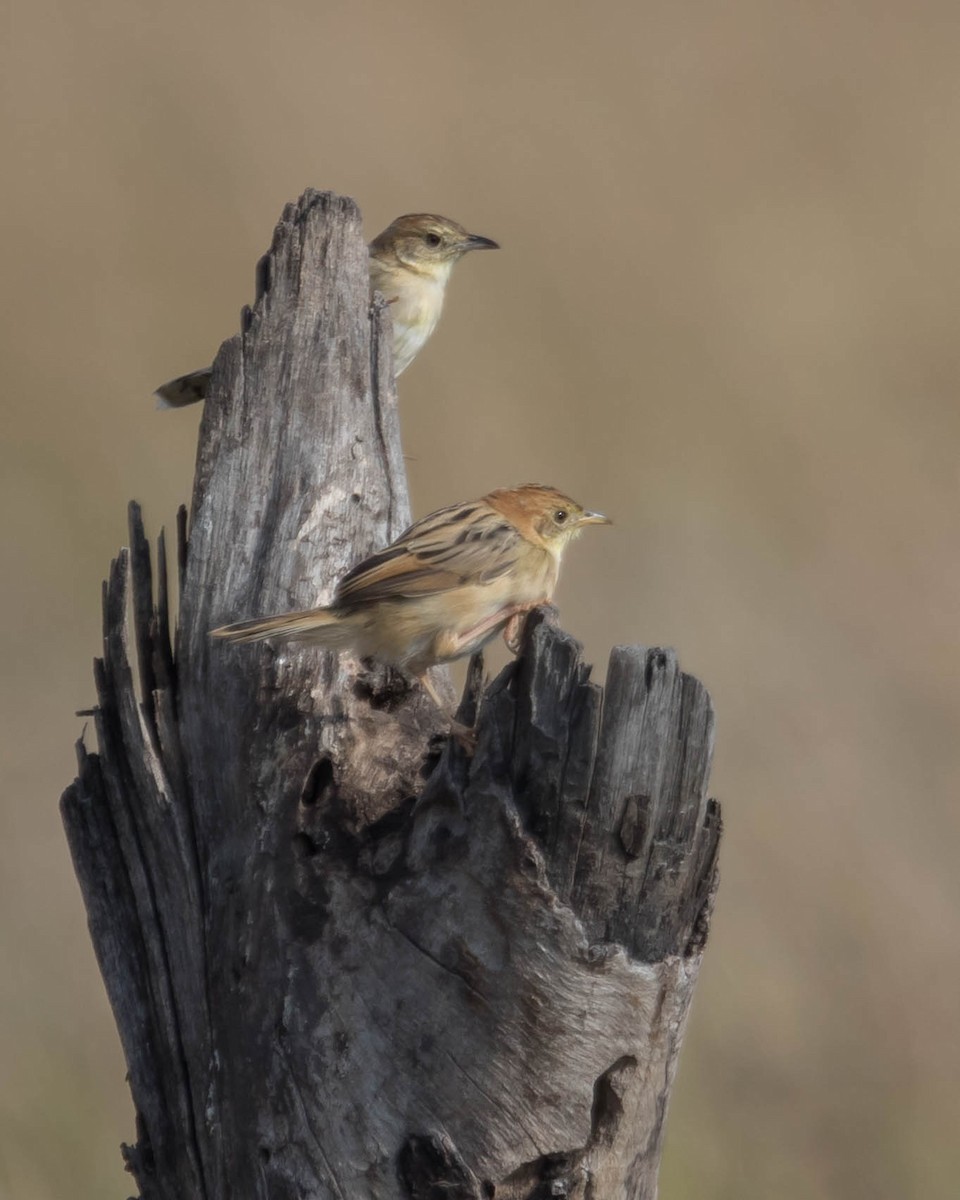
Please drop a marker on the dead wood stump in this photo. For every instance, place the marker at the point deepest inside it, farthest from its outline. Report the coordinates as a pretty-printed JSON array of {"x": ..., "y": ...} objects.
[{"x": 344, "y": 959}]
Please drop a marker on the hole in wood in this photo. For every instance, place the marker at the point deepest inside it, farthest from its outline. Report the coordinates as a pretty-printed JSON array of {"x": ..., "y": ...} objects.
[
  {"x": 607, "y": 1104},
  {"x": 656, "y": 665},
  {"x": 383, "y": 688},
  {"x": 304, "y": 846},
  {"x": 320, "y": 785}
]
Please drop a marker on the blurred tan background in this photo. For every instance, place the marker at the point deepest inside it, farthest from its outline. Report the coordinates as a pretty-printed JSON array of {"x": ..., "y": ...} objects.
[{"x": 725, "y": 312}]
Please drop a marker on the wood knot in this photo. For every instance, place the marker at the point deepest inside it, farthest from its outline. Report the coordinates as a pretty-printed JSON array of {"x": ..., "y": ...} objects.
[{"x": 633, "y": 826}]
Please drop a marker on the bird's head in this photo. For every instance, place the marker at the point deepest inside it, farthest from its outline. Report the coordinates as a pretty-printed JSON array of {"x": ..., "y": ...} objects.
[
  {"x": 543, "y": 515},
  {"x": 426, "y": 243}
]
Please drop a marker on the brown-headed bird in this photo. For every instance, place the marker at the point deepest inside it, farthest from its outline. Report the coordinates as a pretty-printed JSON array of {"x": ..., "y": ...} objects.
[
  {"x": 446, "y": 586},
  {"x": 410, "y": 263}
]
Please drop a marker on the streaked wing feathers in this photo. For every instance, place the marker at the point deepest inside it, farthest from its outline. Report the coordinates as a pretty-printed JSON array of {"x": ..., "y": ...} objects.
[{"x": 465, "y": 543}]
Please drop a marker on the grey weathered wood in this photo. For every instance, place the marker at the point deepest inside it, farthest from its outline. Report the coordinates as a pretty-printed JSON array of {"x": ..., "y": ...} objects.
[{"x": 346, "y": 960}]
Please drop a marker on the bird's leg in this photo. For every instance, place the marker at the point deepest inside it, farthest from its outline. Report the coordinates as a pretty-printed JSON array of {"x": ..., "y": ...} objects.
[
  {"x": 427, "y": 684},
  {"x": 458, "y": 642},
  {"x": 452, "y": 645},
  {"x": 463, "y": 733},
  {"x": 513, "y": 630}
]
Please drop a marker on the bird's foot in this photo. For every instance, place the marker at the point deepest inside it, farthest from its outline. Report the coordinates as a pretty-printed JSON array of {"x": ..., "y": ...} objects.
[
  {"x": 464, "y": 736},
  {"x": 513, "y": 630}
]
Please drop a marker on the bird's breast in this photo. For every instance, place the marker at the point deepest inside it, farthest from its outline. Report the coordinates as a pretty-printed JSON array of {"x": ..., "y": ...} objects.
[{"x": 416, "y": 302}]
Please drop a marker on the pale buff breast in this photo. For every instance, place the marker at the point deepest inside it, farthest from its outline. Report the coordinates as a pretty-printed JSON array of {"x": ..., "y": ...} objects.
[{"x": 416, "y": 302}]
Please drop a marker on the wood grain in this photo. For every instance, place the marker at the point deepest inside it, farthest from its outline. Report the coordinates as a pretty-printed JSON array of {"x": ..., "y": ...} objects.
[{"x": 345, "y": 959}]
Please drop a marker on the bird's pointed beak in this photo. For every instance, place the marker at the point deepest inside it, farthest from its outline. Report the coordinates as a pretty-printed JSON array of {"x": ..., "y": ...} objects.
[
  {"x": 475, "y": 242},
  {"x": 594, "y": 518}
]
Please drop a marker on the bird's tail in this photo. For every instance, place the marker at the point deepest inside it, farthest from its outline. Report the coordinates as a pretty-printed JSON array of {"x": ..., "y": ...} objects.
[
  {"x": 322, "y": 626},
  {"x": 184, "y": 390}
]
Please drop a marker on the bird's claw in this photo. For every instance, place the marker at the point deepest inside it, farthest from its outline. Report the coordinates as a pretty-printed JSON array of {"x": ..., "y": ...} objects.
[
  {"x": 513, "y": 632},
  {"x": 465, "y": 737}
]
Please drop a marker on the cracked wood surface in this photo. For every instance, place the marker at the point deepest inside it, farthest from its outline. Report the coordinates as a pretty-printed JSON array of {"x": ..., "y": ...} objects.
[{"x": 345, "y": 960}]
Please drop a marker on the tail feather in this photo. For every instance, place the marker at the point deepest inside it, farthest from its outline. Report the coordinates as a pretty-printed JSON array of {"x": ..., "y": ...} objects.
[
  {"x": 184, "y": 390},
  {"x": 320, "y": 625}
]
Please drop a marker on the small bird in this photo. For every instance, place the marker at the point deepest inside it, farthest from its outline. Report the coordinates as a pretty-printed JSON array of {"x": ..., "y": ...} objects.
[
  {"x": 445, "y": 587},
  {"x": 410, "y": 263}
]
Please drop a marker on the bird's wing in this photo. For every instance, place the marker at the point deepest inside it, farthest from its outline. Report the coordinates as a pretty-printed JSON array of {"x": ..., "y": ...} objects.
[{"x": 462, "y": 544}]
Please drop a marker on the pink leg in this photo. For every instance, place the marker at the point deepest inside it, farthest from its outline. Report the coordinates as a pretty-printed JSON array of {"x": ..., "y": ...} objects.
[
  {"x": 454, "y": 644},
  {"x": 464, "y": 735},
  {"x": 513, "y": 631}
]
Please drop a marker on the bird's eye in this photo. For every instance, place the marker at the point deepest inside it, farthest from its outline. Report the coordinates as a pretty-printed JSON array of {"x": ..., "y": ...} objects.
[
  {"x": 432, "y": 239},
  {"x": 560, "y": 516}
]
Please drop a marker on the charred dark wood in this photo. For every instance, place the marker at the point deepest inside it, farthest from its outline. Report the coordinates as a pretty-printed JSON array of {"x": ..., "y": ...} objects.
[{"x": 345, "y": 959}]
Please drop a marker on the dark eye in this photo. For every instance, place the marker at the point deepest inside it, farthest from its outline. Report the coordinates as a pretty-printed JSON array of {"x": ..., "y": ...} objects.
[
  {"x": 560, "y": 516},
  {"x": 432, "y": 239}
]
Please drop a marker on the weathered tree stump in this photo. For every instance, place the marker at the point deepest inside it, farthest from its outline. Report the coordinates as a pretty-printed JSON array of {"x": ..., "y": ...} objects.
[{"x": 345, "y": 960}]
